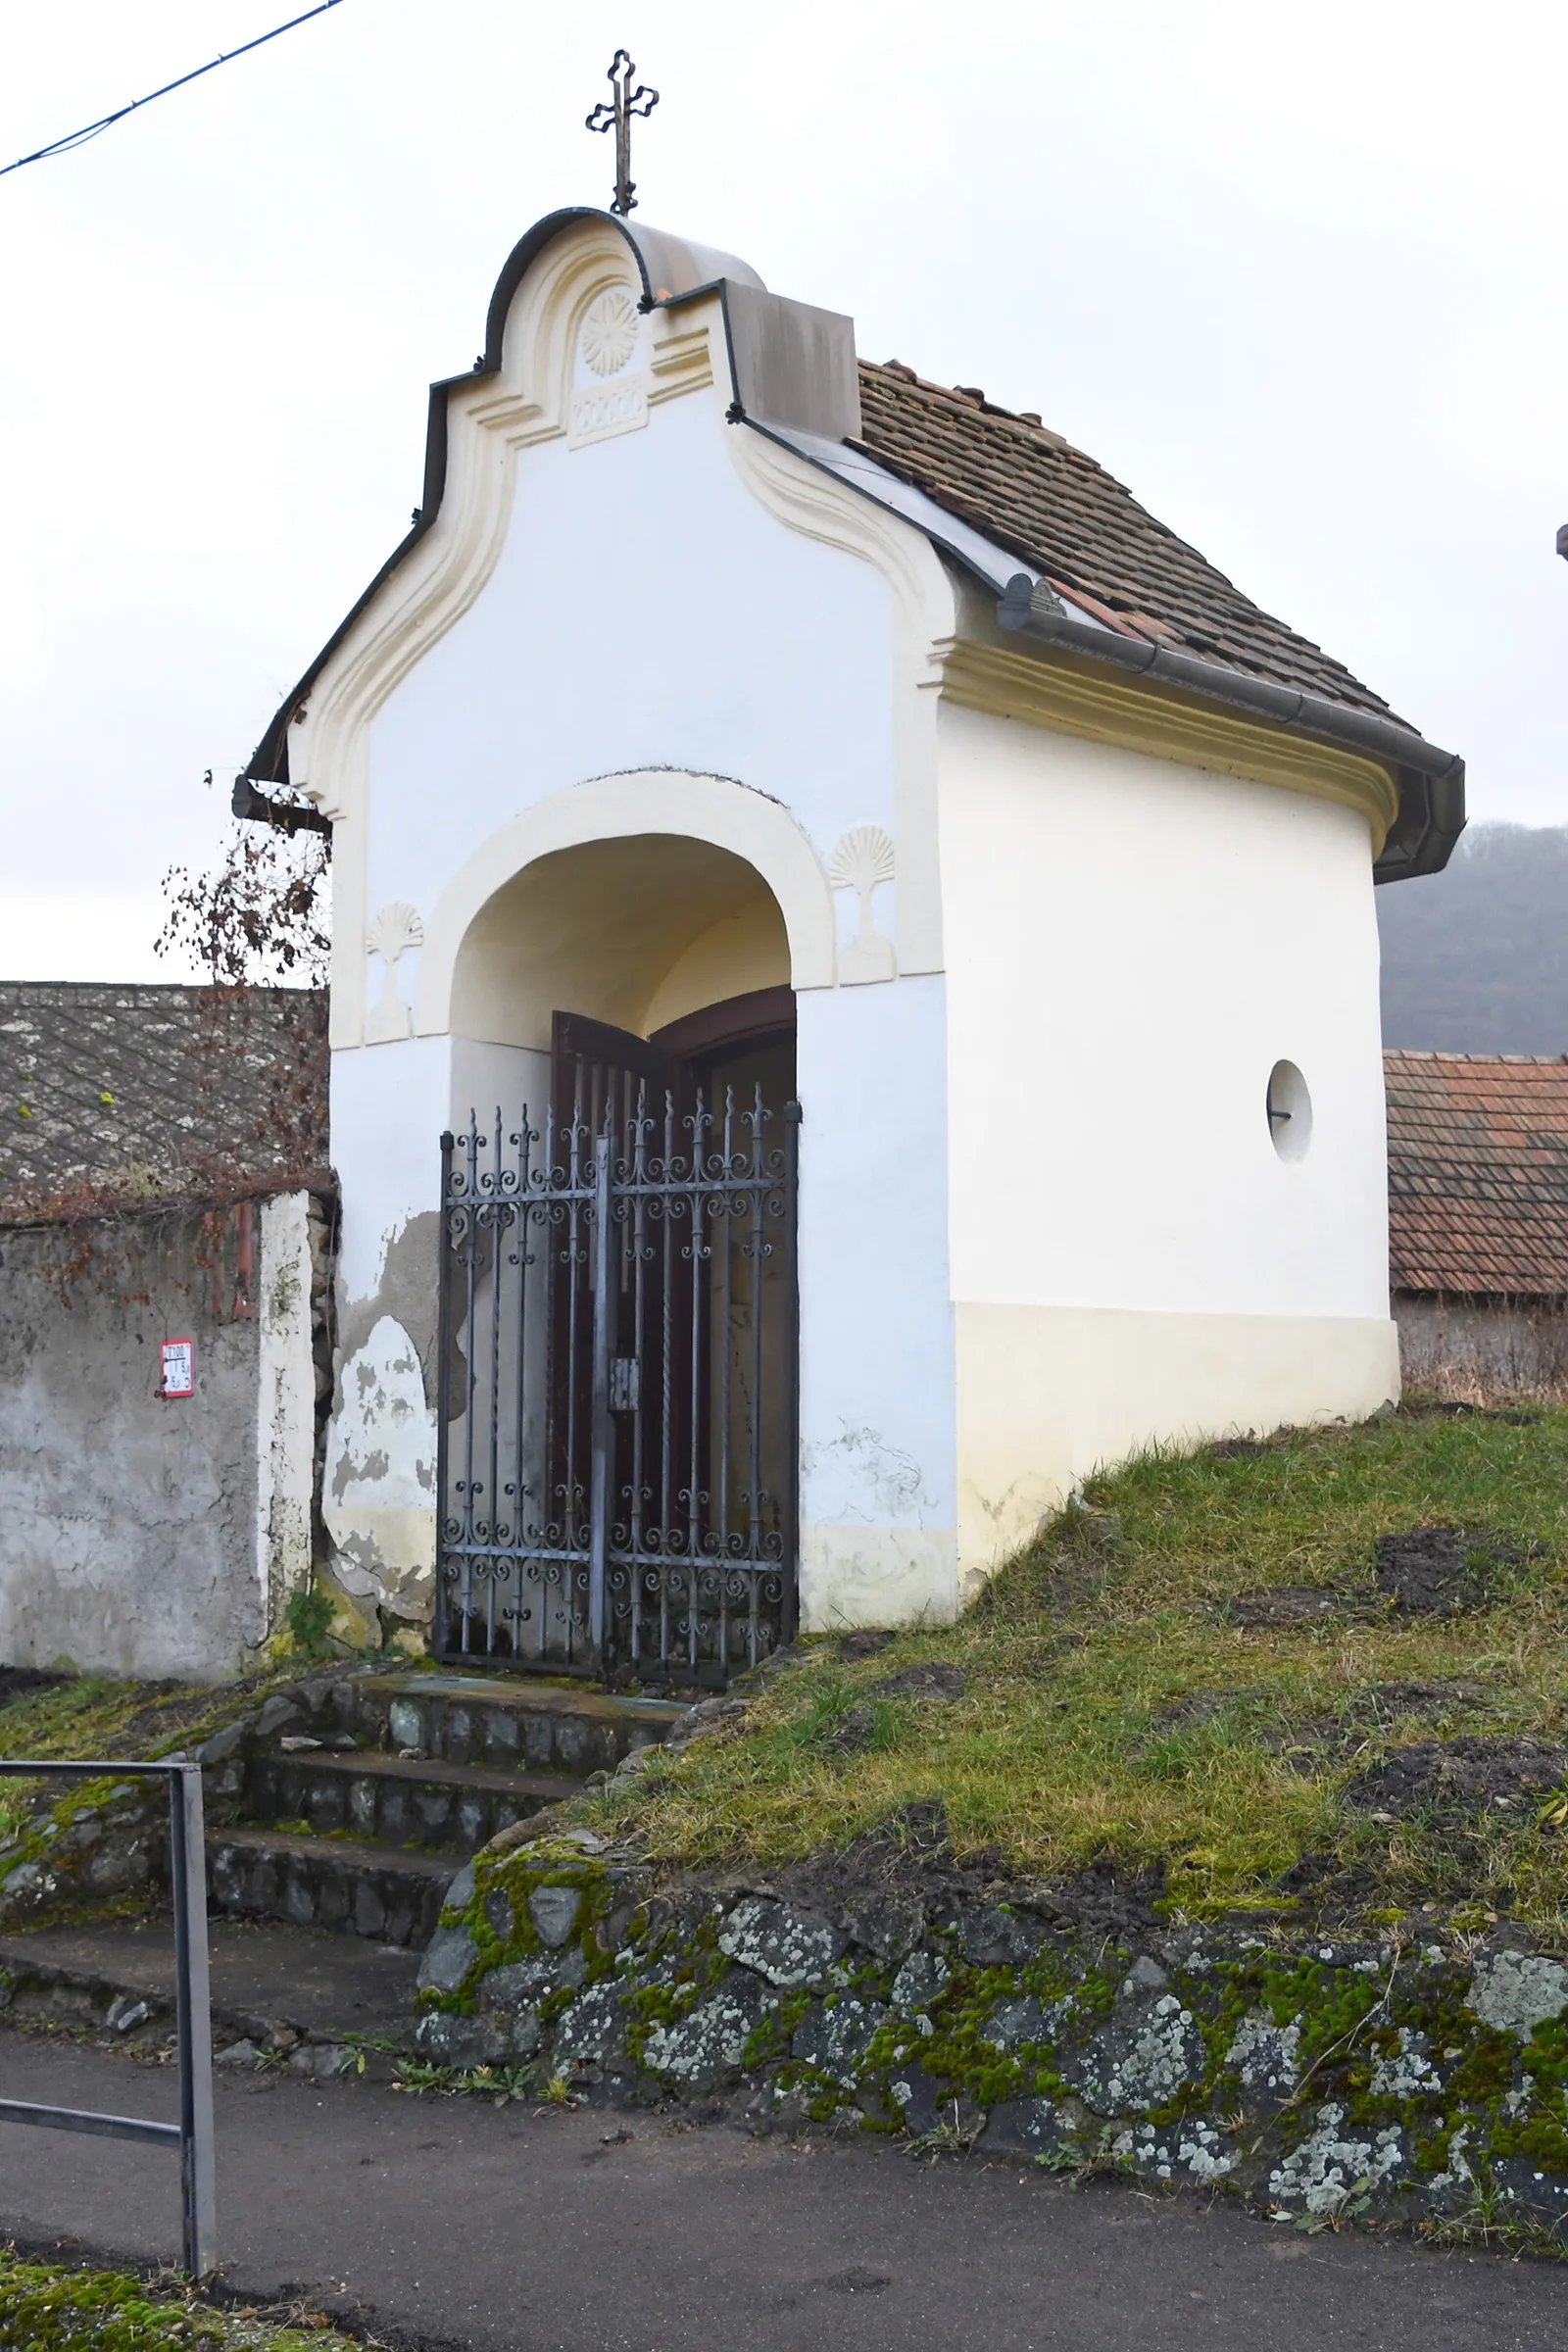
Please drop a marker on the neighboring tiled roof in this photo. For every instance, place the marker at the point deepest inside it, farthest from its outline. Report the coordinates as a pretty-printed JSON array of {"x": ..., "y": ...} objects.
[
  {"x": 1478, "y": 1173},
  {"x": 1026, "y": 488},
  {"x": 153, "y": 1091}
]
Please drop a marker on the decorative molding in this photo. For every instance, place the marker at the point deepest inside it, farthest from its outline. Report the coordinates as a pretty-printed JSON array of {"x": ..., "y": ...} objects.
[
  {"x": 712, "y": 808},
  {"x": 599, "y": 412},
  {"x": 807, "y": 499},
  {"x": 862, "y": 858},
  {"x": 682, "y": 356},
  {"x": 488, "y": 423},
  {"x": 610, "y": 329},
  {"x": 390, "y": 935},
  {"x": 1081, "y": 699}
]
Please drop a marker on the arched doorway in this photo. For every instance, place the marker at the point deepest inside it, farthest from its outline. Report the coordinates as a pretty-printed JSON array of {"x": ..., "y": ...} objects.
[{"x": 618, "y": 1362}]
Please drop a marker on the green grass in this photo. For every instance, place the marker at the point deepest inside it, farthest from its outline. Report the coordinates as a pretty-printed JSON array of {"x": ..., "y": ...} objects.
[
  {"x": 47, "y": 2308},
  {"x": 87, "y": 1716},
  {"x": 1056, "y": 1754}
]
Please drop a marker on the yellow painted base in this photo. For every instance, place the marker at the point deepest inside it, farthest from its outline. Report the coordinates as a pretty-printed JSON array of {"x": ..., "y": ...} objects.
[{"x": 1049, "y": 1393}]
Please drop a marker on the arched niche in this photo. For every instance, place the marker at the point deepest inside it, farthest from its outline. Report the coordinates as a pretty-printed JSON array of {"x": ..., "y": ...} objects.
[{"x": 634, "y": 898}]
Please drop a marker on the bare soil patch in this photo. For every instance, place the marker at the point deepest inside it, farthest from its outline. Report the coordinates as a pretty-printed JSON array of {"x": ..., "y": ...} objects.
[
  {"x": 1504, "y": 1773},
  {"x": 1438, "y": 1571}
]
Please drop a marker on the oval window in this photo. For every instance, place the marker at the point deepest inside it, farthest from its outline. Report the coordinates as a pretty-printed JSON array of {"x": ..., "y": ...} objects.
[{"x": 1289, "y": 1111}]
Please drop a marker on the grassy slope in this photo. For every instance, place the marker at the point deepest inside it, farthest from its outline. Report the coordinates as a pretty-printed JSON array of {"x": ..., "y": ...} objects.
[
  {"x": 1054, "y": 1752},
  {"x": 89, "y": 1716}
]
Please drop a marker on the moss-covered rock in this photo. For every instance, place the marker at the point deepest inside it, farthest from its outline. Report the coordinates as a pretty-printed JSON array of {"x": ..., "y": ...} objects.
[{"x": 1320, "y": 2078}]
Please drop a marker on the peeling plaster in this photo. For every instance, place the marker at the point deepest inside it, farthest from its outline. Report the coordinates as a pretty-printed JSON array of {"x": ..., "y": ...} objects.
[{"x": 379, "y": 1498}]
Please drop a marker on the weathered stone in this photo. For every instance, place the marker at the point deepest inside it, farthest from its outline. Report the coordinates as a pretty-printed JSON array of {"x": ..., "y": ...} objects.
[
  {"x": 929, "y": 2106},
  {"x": 324, "y": 2061},
  {"x": 835, "y": 2039},
  {"x": 1025, "y": 2128},
  {"x": 524, "y": 2032},
  {"x": 29, "y": 1877},
  {"x": 790, "y": 1948},
  {"x": 1145, "y": 1975},
  {"x": 1013, "y": 2022},
  {"x": 1328, "y": 2169},
  {"x": 238, "y": 2055},
  {"x": 1514, "y": 1991},
  {"x": 279, "y": 1710},
  {"x": 125, "y": 2013},
  {"x": 554, "y": 1911},
  {"x": 1192, "y": 2150},
  {"x": 993, "y": 1937},
  {"x": 405, "y": 1724},
  {"x": 919, "y": 1982},
  {"x": 450, "y": 1954},
  {"x": 888, "y": 1925},
  {"x": 590, "y": 2030},
  {"x": 460, "y": 1893},
  {"x": 449, "y": 2040},
  {"x": 1263, "y": 2055},
  {"x": 498, "y": 1914},
  {"x": 1137, "y": 2059},
  {"x": 1405, "y": 2071},
  {"x": 1525, "y": 2188},
  {"x": 705, "y": 2045}
]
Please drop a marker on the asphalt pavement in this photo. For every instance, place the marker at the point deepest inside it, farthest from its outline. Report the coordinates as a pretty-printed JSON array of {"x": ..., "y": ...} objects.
[{"x": 451, "y": 2223}]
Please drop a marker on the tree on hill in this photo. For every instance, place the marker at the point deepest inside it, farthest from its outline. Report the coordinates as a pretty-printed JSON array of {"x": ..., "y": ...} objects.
[{"x": 1475, "y": 960}]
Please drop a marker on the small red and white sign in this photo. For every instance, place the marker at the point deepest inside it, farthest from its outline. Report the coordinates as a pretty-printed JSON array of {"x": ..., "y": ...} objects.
[{"x": 178, "y": 1367}]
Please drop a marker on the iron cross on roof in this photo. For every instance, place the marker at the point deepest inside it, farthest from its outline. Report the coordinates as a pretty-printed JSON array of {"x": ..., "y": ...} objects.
[{"x": 617, "y": 115}]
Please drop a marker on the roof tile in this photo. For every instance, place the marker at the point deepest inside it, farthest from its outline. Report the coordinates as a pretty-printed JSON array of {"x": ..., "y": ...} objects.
[
  {"x": 1478, "y": 1173},
  {"x": 1036, "y": 496}
]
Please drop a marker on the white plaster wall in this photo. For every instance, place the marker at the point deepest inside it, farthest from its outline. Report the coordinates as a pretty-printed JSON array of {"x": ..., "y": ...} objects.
[
  {"x": 389, "y": 1105},
  {"x": 285, "y": 1404},
  {"x": 646, "y": 610},
  {"x": 877, "y": 1466},
  {"x": 1131, "y": 946}
]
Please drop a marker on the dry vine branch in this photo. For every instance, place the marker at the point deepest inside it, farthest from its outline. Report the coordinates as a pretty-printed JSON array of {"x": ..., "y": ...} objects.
[{"x": 263, "y": 915}]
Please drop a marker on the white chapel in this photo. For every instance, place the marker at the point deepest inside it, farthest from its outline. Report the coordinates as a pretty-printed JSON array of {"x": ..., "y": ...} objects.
[{"x": 855, "y": 990}]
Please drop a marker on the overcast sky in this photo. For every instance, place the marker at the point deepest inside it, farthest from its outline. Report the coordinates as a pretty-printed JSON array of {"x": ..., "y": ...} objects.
[{"x": 1294, "y": 274}]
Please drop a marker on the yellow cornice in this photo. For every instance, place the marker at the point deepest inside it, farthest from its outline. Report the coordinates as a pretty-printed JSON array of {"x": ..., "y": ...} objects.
[{"x": 1078, "y": 698}]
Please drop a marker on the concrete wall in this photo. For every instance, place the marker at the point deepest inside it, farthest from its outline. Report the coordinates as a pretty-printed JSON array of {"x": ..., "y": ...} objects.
[
  {"x": 1464, "y": 1347},
  {"x": 140, "y": 1536}
]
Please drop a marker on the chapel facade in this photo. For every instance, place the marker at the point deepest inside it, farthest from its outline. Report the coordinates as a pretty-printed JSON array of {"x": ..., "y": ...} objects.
[{"x": 885, "y": 932}]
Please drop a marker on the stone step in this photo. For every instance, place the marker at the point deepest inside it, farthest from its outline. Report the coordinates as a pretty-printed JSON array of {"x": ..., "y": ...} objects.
[
  {"x": 397, "y": 1800},
  {"x": 387, "y": 1892},
  {"x": 515, "y": 1720},
  {"x": 506, "y": 1722},
  {"x": 281, "y": 1988}
]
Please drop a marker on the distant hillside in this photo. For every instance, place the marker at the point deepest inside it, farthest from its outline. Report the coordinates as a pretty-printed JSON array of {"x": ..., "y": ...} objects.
[{"x": 1475, "y": 960}]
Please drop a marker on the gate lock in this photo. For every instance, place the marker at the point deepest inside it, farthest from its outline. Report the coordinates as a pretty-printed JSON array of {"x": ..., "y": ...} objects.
[{"x": 625, "y": 1384}]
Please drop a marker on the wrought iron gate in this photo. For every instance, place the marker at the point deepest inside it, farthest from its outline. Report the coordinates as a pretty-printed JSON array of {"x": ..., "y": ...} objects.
[{"x": 619, "y": 1381}]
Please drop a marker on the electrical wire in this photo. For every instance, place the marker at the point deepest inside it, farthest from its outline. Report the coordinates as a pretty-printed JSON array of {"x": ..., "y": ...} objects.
[{"x": 78, "y": 138}]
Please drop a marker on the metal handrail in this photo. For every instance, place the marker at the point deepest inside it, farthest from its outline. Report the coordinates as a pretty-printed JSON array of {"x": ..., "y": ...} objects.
[{"x": 193, "y": 2134}]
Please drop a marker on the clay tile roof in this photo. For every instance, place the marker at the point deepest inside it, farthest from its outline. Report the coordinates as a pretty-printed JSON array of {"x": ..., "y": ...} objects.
[
  {"x": 144, "y": 1093},
  {"x": 1477, "y": 1174},
  {"x": 1030, "y": 491}
]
